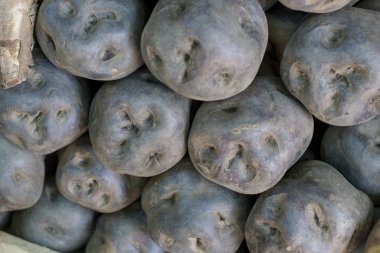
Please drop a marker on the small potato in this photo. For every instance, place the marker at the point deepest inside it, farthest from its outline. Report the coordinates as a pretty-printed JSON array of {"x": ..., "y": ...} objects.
[
  {"x": 54, "y": 222},
  {"x": 83, "y": 179},
  {"x": 46, "y": 112},
  {"x": 267, "y": 4},
  {"x": 97, "y": 40},
  {"x": 369, "y": 4},
  {"x": 188, "y": 214},
  {"x": 247, "y": 142},
  {"x": 205, "y": 49},
  {"x": 331, "y": 70},
  {"x": 4, "y": 219},
  {"x": 355, "y": 152},
  {"x": 122, "y": 232},
  {"x": 317, "y": 6},
  {"x": 21, "y": 177},
  {"x": 138, "y": 126},
  {"x": 313, "y": 209}
]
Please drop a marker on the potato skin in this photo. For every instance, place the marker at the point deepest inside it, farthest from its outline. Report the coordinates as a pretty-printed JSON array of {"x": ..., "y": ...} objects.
[
  {"x": 138, "y": 126},
  {"x": 313, "y": 209},
  {"x": 317, "y": 6},
  {"x": 210, "y": 217},
  {"x": 184, "y": 46},
  {"x": 355, "y": 152},
  {"x": 46, "y": 112},
  {"x": 333, "y": 74},
  {"x": 84, "y": 180},
  {"x": 22, "y": 176},
  {"x": 123, "y": 231},
  {"x": 247, "y": 142},
  {"x": 54, "y": 222},
  {"x": 92, "y": 39},
  {"x": 373, "y": 242}
]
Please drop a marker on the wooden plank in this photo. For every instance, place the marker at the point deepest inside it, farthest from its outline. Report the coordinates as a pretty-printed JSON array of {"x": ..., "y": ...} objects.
[{"x": 13, "y": 244}]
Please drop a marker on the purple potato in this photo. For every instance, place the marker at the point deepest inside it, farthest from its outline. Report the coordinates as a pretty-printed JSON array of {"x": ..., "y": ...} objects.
[
  {"x": 205, "y": 49},
  {"x": 97, "y": 40},
  {"x": 247, "y": 142},
  {"x": 187, "y": 213},
  {"x": 313, "y": 209},
  {"x": 138, "y": 126},
  {"x": 83, "y": 179},
  {"x": 122, "y": 232}
]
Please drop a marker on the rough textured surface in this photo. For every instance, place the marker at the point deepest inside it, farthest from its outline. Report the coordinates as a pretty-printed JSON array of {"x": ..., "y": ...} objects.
[
  {"x": 16, "y": 40},
  {"x": 373, "y": 241},
  {"x": 54, "y": 222},
  {"x": 21, "y": 177},
  {"x": 138, "y": 126},
  {"x": 313, "y": 209},
  {"x": 189, "y": 214},
  {"x": 317, "y": 6},
  {"x": 355, "y": 152},
  {"x": 46, "y": 112},
  {"x": 83, "y": 179},
  {"x": 330, "y": 69},
  {"x": 247, "y": 142},
  {"x": 124, "y": 231},
  {"x": 184, "y": 45},
  {"x": 92, "y": 39},
  {"x": 267, "y": 4},
  {"x": 369, "y": 4}
]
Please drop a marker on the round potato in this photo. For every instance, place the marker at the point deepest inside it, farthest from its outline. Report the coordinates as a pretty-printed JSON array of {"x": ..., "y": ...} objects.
[
  {"x": 355, "y": 152},
  {"x": 97, "y": 40},
  {"x": 21, "y": 177},
  {"x": 247, "y": 142},
  {"x": 313, "y": 209},
  {"x": 267, "y": 4},
  {"x": 138, "y": 126},
  {"x": 54, "y": 222},
  {"x": 83, "y": 179},
  {"x": 188, "y": 214},
  {"x": 46, "y": 112},
  {"x": 317, "y": 6},
  {"x": 205, "y": 50},
  {"x": 333, "y": 74},
  {"x": 122, "y": 232}
]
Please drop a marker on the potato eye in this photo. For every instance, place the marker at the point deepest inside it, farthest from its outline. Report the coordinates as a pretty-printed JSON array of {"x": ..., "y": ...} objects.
[{"x": 62, "y": 113}]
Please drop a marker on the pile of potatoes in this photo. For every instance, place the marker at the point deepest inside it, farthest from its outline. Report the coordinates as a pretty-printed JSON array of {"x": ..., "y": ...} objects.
[{"x": 194, "y": 126}]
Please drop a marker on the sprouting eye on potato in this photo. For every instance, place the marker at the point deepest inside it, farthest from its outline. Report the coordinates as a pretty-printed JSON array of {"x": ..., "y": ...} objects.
[
  {"x": 83, "y": 179},
  {"x": 313, "y": 209},
  {"x": 184, "y": 46},
  {"x": 138, "y": 126},
  {"x": 124, "y": 231},
  {"x": 188, "y": 214},
  {"x": 97, "y": 40},
  {"x": 54, "y": 222},
  {"x": 21, "y": 177},
  {"x": 47, "y": 111},
  {"x": 333, "y": 67},
  {"x": 317, "y": 6},
  {"x": 247, "y": 142},
  {"x": 355, "y": 152}
]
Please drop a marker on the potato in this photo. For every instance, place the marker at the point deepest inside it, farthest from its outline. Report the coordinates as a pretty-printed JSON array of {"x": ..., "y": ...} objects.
[
  {"x": 247, "y": 142},
  {"x": 355, "y": 152},
  {"x": 4, "y": 219},
  {"x": 317, "y": 6},
  {"x": 21, "y": 177},
  {"x": 205, "y": 50},
  {"x": 46, "y": 112},
  {"x": 373, "y": 242},
  {"x": 313, "y": 209},
  {"x": 187, "y": 213},
  {"x": 122, "y": 232},
  {"x": 369, "y": 4},
  {"x": 54, "y": 222},
  {"x": 97, "y": 40},
  {"x": 83, "y": 179},
  {"x": 267, "y": 4},
  {"x": 138, "y": 126},
  {"x": 336, "y": 76}
]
